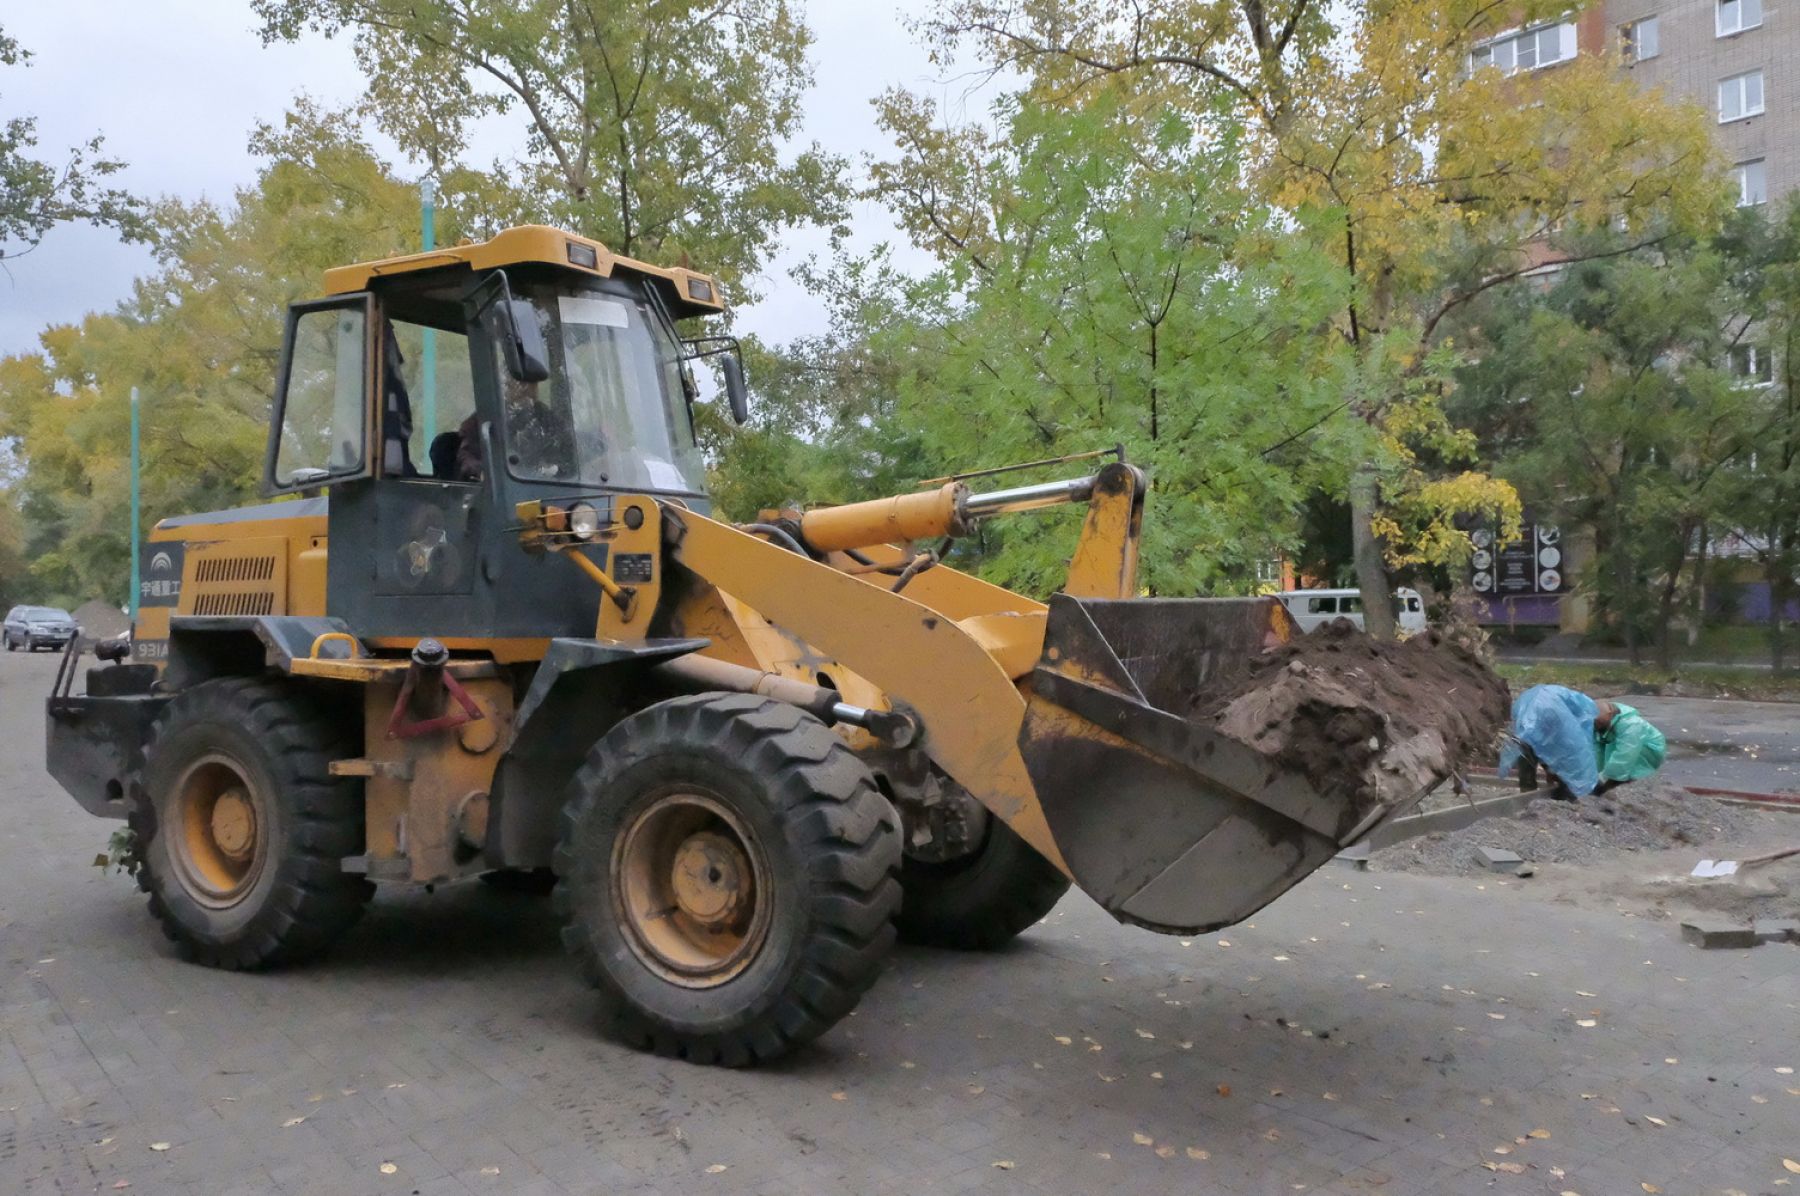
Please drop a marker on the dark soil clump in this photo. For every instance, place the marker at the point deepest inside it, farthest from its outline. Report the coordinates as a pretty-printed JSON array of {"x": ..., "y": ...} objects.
[{"x": 1368, "y": 723}]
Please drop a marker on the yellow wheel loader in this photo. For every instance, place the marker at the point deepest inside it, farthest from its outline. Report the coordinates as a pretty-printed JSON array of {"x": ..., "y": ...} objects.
[{"x": 515, "y": 641}]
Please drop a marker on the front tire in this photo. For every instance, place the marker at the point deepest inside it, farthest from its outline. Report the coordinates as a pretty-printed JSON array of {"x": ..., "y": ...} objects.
[
  {"x": 242, "y": 830},
  {"x": 980, "y": 901},
  {"x": 728, "y": 872}
]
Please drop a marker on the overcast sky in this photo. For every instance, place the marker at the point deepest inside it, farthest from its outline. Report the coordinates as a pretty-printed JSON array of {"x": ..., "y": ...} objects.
[{"x": 177, "y": 85}]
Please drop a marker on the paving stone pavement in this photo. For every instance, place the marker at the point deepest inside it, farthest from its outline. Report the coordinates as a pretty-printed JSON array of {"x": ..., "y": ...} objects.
[{"x": 1365, "y": 1034}]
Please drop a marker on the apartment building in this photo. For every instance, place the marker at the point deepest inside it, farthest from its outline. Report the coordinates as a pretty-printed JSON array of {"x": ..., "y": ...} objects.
[{"x": 1739, "y": 60}]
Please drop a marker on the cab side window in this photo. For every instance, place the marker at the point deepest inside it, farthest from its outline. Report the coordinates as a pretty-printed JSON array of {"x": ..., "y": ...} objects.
[
  {"x": 322, "y": 410},
  {"x": 427, "y": 396},
  {"x": 1321, "y": 606}
]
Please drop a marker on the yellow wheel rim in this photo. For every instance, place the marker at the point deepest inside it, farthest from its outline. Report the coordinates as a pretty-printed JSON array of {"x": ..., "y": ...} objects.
[
  {"x": 218, "y": 841},
  {"x": 691, "y": 889}
]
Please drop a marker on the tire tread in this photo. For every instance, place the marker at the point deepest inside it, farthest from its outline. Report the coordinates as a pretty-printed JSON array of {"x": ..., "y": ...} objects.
[
  {"x": 827, "y": 804},
  {"x": 312, "y": 901}
]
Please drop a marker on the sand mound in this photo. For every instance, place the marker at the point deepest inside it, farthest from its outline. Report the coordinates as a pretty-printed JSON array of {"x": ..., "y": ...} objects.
[
  {"x": 1368, "y": 723},
  {"x": 1648, "y": 815}
]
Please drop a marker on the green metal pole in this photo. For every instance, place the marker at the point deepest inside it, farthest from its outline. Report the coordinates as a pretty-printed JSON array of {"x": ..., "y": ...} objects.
[
  {"x": 428, "y": 358},
  {"x": 135, "y": 534}
]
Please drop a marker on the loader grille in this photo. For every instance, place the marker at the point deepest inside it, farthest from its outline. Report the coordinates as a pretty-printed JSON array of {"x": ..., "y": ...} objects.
[
  {"x": 235, "y": 603},
  {"x": 244, "y": 568},
  {"x": 236, "y": 577}
]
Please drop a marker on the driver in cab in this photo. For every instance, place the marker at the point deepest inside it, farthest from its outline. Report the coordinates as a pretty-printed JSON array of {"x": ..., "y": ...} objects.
[{"x": 537, "y": 440}]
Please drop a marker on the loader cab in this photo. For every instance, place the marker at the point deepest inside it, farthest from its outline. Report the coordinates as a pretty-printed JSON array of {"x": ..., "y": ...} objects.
[{"x": 433, "y": 396}]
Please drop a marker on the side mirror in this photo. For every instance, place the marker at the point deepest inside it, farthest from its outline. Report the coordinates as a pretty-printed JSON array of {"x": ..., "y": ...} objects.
[
  {"x": 522, "y": 341},
  {"x": 735, "y": 392}
]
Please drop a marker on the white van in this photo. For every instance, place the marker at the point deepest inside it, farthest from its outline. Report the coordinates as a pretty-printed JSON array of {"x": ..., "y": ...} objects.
[{"x": 1315, "y": 608}]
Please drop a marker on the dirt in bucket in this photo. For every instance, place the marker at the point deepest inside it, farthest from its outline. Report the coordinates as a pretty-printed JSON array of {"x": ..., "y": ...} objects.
[{"x": 1367, "y": 722}]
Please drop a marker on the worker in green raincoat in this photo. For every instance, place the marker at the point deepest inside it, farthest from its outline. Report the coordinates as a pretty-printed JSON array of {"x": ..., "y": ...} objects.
[
  {"x": 1586, "y": 746},
  {"x": 1628, "y": 747}
]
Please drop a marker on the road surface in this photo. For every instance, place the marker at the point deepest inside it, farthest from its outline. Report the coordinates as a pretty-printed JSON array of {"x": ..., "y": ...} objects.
[{"x": 1401, "y": 1035}]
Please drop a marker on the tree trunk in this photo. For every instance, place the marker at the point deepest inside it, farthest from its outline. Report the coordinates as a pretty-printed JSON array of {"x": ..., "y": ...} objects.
[
  {"x": 1665, "y": 606},
  {"x": 1627, "y": 609},
  {"x": 1665, "y": 621},
  {"x": 1778, "y": 572},
  {"x": 1371, "y": 569}
]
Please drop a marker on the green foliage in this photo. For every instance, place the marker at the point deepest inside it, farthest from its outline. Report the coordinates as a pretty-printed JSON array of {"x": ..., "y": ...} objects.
[
  {"x": 200, "y": 338},
  {"x": 826, "y": 424},
  {"x": 657, "y": 127},
  {"x": 1763, "y": 490},
  {"x": 1612, "y": 401},
  {"x": 1131, "y": 291},
  {"x": 1361, "y": 121},
  {"x": 36, "y": 195}
]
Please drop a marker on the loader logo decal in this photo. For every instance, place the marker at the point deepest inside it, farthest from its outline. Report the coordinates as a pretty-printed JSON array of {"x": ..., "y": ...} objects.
[{"x": 160, "y": 584}]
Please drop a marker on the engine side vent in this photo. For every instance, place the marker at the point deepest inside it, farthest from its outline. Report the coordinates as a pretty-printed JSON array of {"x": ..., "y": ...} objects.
[
  {"x": 236, "y": 577},
  {"x": 235, "y": 603},
  {"x": 243, "y": 568}
]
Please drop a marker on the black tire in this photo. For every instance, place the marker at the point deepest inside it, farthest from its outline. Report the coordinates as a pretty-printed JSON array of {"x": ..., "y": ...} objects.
[
  {"x": 533, "y": 882},
  {"x": 292, "y": 899},
  {"x": 807, "y": 814},
  {"x": 981, "y": 901}
]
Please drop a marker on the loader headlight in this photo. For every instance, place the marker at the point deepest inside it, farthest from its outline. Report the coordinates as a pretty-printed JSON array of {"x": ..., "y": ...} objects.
[{"x": 584, "y": 520}]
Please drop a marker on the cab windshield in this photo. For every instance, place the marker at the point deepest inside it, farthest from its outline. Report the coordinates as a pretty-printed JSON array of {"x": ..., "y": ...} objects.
[{"x": 613, "y": 412}]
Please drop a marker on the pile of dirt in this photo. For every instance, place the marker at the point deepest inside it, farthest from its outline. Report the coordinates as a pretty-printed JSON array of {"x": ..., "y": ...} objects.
[
  {"x": 1368, "y": 723},
  {"x": 1648, "y": 815},
  {"x": 101, "y": 620}
]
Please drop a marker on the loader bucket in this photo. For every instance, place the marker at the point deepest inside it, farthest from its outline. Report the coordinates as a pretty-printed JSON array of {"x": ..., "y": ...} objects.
[{"x": 1163, "y": 820}]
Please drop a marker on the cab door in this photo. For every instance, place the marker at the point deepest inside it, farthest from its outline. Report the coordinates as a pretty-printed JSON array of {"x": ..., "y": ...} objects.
[
  {"x": 320, "y": 431},
  {"x": 406, "y": 541}
]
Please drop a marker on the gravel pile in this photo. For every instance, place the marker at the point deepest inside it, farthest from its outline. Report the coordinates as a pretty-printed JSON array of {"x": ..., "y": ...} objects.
[{"x": 1650, "y": 815}]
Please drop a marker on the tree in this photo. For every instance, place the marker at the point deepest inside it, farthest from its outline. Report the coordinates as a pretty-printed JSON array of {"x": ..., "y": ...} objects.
[
  {"x": 1129, "y": 291},
  {"x": 656, "y": 127},
  {"x": 200, "y": 338},
  {"x": 1763, "y": 499},
  {"x": 1436, "y": 183},
  {"x": 37, "y": 195},
  {"x": 1609, "y": 399}
]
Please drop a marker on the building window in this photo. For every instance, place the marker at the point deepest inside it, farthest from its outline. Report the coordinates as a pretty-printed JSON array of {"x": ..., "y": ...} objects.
[
  {"x": 1527, "y": 49},
  {"x": 1735, "y": 16},
  {"x": 1740, "y": 96},
  {"x": 1751, "y": 365},
  {"x": 1640, "y": 40},
  {"x": 1543, "y": 279},
  {"x": 1752, "y": 183}
]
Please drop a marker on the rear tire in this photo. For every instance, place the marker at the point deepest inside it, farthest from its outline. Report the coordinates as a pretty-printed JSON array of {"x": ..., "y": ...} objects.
[
  {"x": 728, "y": 871},
  {"x": 980, "y": 901},
  {"x": 241, "y": 829}
]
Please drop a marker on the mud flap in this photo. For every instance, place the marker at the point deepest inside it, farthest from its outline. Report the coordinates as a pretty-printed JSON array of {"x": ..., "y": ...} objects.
[
  {"x": 1163, "y": 821},
  {"x": 93, "y": 746}
]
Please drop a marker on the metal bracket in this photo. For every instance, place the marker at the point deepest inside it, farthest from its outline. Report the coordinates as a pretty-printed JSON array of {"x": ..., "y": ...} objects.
[
  {"x": 467, "y": 711},
  {"x": 395, "y": 770}
]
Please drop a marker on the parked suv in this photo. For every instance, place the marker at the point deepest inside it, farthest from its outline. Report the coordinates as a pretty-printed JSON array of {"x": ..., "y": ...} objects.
[{"x": 35, "y": 627}]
